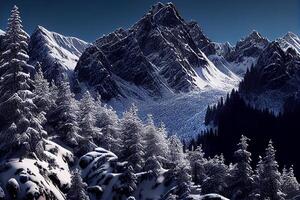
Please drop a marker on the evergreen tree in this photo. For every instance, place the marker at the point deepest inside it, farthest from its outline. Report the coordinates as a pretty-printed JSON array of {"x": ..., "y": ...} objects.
[
  {"x": 43, "y": 97},
  {"x": 132, "y": 133},
  {"x": 290, "y": 185},
  {"x": 217, "y": 173},
  {"x": 241, "y": 181},
  {"x": 197, "y": 163},
  {"x": 128, "y": 182},
  {"x": 153, "y": 165},
  {"x": 87, "y": 120},
  {"x": 64, "y": 118},
  {"x": 77, "y": 189},
  {"x": 107, "y": 120},
  {"x": 181, "y": 168},
  {"x": 20, "y": 125},
  {"x": 155, "y": 141},
  {"x": 269, "y": 177}
]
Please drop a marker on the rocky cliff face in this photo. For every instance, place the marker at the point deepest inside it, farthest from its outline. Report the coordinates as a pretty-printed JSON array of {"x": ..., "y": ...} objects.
[
  {"x": 58, "y": 54},
  {"x": 160, "y": 53}
]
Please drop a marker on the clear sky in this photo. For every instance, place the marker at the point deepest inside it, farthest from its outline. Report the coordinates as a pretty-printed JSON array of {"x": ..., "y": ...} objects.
[{"x": 221, "y": 20}]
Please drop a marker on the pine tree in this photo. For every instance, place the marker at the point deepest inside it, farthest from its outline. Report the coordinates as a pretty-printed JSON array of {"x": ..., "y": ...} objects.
[
  {"x": 176, "y": 155},
  {"x": 132, "y": 133},
  {"x": 156, "y": 141},
  {"x": 153, "y": 165},
  {"x": 290, "y": 185},
  {"x": 77, "y": 189},
  {"x": 20, "y": 118},
  {"x": 64, "y": 118},
  {"x": 197, "y": 163},
  {"x": 107, "y": 120},
  {"x": 181, "y": 169},
  {"x": 43, "y": 97},
  {"x": 128, "y": 182},
  {"x": 87, "y": 120},
  {"x": 269, "y": 177},
  {"x": 217, "y": 173},
  {"x": 241, "y": 182}
]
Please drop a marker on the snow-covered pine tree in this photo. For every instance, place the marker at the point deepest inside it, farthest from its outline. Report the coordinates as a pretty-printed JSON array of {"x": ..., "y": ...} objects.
[
  {"x": 152, "y": 165},
  {"x": 181, "y": 169},
  {"x": 156, "y": 143},
  {"x": 43, "y": 98},
  {"x": 217, "y": 173},
  {"x": 290, "y": 185},
  {"x": 20, "y": 118},
  {"x": 64, "y": 118},
  {"x": 269, "y": 176},
  {"x": 132, "y": 132},
  {"x": 77, "y": 189},
  {"x": 197, "y": 163},
  {"x": 107, "y": 120},
  {"x": 87, "y": 120},
  {"x": 241, "y": 179},
  {"x": 128, "y": 182}
]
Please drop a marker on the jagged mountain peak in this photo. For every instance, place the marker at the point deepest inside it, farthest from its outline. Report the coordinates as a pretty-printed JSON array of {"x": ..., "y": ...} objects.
[
  {"x": 57, "y": 53},
  {"x": 290, "y": 35},
  {"x": 289, "y": 40},
  {"x": 255, "y": 35},
  {"x": 163, "y": 48}
]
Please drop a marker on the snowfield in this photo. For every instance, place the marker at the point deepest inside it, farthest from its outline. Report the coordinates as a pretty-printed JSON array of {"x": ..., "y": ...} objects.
[{"x": 183, "y": 114}]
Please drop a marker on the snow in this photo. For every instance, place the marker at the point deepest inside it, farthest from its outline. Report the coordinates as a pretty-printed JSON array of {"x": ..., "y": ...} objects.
[
  {"x": 208, "y": 196},
  {"x": 2, "y": 32},
  {"x": 290, "y": 40},
  {"x": 33, "y": 175},
  {"x": 210, "y": 75},
  {"x": 183, "y": 114},
  {"x": 240, "y": 68},
  {"x": 65, "y": 50}
]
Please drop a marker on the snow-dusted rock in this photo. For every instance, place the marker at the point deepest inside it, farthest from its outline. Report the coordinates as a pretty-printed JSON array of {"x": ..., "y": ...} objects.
[
  {"x": 33, "y": 178},
  {"x": 57, "y": 53},
  {"x": 246, "y": 52},
  {"x": 157, "y": 55}
]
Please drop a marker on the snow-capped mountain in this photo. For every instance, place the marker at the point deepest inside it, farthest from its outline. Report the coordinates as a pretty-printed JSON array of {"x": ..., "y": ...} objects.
[
  {"x": 156, "y": 55},
  {"x": 58, "y": 54},
  {"x": 246, "y": 52},
  {"x": 290, "y": 40},
  {"x": 275, "y": 77}
]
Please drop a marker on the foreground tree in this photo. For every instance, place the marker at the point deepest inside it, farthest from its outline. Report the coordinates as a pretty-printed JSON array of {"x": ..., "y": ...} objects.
[
  {"x": 241, "y": 181},
  {"x": 269, "y": 178},
  {"x": 20, "y": 118},
  {"x": 64, "y": 118},
  {"x": 290, "y": 185},
  {"x": 107, "y": 120},
  {"x": 156, "y": 143},
  {"x": 77, "y": 189},
  {"x": 132, "y": 133},
  {"x": 197, "y": 163},
  {"x": 180, "y": 170},
  {"x": 87, "y": 120}
]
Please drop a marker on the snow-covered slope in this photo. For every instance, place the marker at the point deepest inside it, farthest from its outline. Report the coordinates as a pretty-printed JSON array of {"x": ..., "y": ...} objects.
[
  {"x": 158, "y": 55},
  {"x": 290, "y": 40},
  {"x": 274, "y": 78},
  {"x": 57, "y": 53},
  {"x": 33, "y": 178},
  {"x": 246, "y": 53},
  {"x": 2, "y": 32},
  {"x": 159, "y": 64}
]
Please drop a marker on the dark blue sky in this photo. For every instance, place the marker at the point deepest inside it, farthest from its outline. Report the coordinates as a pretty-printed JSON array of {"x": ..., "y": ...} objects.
[{"x": 221, "y": 20}]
